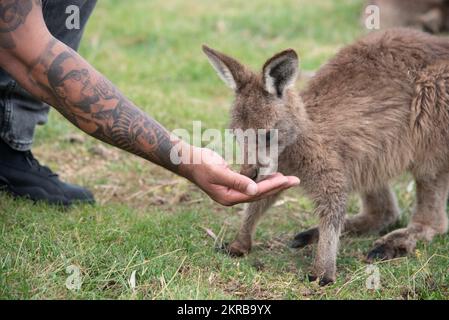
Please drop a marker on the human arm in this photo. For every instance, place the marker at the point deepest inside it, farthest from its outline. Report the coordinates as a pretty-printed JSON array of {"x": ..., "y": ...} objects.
[{"x": 56, "y": 74}]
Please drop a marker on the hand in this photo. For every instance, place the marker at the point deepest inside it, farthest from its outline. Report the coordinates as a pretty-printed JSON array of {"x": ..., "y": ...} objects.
[{"x": 227, "y": 187}]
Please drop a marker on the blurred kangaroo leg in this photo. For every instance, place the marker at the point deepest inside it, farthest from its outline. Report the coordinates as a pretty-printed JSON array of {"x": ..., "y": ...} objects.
[
  {"x": 379, "y": 210},
  {"x": 331, "y": 211},
  {"x": 429, "y": 219},
  {"x": 253, "y": 212}
]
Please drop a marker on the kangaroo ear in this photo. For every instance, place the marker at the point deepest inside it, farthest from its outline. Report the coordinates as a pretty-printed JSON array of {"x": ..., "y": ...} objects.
[
  {"x": 229, "y": 70},
  {"x": 280, "y": 72},
  {"x": 432, "y": 20}
]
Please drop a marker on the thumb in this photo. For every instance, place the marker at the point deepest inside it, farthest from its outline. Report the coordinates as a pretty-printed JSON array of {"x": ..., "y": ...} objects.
[{"x": 236, "y": 181}]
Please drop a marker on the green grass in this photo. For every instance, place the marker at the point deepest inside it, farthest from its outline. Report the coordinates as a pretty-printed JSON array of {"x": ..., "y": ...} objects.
[{"x": 152, "y": 222}]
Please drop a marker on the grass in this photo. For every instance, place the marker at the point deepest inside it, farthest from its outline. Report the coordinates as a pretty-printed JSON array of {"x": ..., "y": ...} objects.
[{"x": 153, "y": 222}]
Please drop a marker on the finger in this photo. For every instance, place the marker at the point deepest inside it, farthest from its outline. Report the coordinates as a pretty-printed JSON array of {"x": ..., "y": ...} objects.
[
  {"x": 276, "y": 184},
  {"x": 294, "y": 181},
  {"x": 235, "y": 181},
  {"x": 274, "y": 191},
  {"x": 271, "y": 183},
  {"x": 234, "y": 197}
]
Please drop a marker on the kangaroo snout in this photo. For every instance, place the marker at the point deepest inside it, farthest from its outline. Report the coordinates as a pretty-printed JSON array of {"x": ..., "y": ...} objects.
[{"x": 251, "y": 171}]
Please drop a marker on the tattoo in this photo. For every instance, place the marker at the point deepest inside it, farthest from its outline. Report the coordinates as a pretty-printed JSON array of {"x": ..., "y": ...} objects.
[
  {"x": 13, "y": 14},
  {"x": 40, "y": 65},
  {"x": 59, "y": 76},
  {"x": 93, "y": 104},
  {"x": 62, "y": 78}
]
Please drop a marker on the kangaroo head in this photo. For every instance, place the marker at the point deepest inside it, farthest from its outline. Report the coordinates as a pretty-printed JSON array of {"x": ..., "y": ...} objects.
[{"x": 264, "y": 103}]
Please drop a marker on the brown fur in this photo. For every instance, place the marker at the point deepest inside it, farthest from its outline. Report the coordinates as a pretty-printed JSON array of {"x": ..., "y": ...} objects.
[
  {"x": 426, "y": 15},
  {"x": 379, "y": 108}
]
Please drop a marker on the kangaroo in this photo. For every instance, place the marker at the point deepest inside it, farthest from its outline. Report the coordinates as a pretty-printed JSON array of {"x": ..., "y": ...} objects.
[
  {"x": 379, "y": 108},
  {"x": 426, "y": 15}
]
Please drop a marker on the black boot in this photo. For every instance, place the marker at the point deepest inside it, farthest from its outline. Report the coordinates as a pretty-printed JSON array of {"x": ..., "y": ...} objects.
[{"x": 23, "y": 176}]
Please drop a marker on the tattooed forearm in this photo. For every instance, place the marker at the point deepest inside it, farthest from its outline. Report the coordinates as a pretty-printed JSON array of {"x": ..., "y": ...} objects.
[
  {"x": 93, "y": 104},
  {"x": 13, "y": 14},
  {"x": 56, "y": 74}
]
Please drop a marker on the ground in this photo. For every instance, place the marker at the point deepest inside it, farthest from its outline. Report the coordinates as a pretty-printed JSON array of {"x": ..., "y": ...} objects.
[{"x": 155, "y": 223}]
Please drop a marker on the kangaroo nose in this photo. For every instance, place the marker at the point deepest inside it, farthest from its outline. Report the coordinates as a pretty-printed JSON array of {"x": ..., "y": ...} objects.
[{"x": 251, "y": 172}]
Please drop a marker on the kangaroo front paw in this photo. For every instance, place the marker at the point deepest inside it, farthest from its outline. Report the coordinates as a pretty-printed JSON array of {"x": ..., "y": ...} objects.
[
  {"x": 239, "y": 249},
  {"x": 235, "y": 249},
  {"x": 323, "y": 281}
]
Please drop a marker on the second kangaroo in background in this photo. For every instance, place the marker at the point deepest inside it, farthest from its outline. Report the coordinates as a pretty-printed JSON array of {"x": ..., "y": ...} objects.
[
  {"x": 426, "y": 15},
  {"x": 379, "y": 108}
]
